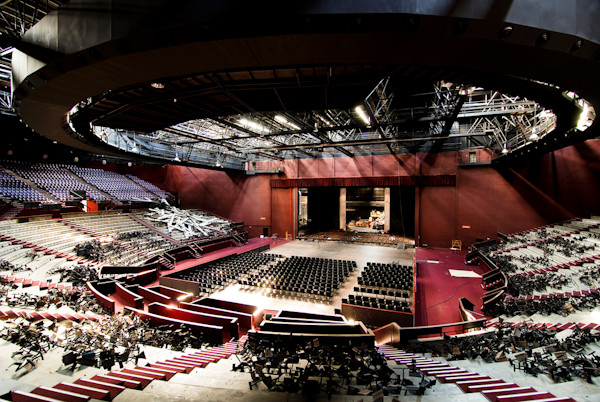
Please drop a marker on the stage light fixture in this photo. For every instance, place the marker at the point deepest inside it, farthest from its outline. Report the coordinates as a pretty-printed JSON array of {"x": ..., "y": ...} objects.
[
  {"x": 582, "y": 124},
  {"x": 176, "y": 158},
  {"x": 280, "y": 119},
  {"x": 157, "y": 85},
  {"x": 363, "y": 115},
  {"x": 505, "y": 150},
  {"x": 505, "y": 32}
]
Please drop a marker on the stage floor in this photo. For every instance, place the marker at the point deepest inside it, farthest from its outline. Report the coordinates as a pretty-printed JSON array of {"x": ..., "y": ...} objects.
[{"x": 361, "y": 236}]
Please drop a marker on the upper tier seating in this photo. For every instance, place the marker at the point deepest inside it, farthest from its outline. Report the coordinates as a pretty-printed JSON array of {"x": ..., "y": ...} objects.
[
  {"x": 15, "y": 188},
  {"x": 61, "y": 180},
  {"x": 113, "y": 183},
  {"x": 56, "y": 179},
  {"x": 150, "y": 187}
]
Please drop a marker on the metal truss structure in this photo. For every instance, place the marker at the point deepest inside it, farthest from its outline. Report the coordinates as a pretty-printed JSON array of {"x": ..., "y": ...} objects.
[
  {"x": 17, "y": 16},
  {"x": 189, "y": 223},
  {"x": 453, "y": 117}
]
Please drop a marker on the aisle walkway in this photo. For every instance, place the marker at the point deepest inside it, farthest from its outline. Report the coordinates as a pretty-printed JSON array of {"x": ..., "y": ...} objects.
[{"x": 438, "y": 292}]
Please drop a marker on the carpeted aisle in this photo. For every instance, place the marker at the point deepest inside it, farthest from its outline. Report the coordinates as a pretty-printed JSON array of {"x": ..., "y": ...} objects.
[{"x": 436, "y": 285}]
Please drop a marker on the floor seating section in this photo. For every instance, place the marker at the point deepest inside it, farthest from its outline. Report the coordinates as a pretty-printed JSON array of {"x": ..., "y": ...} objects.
[
  {"x": 316, "y": 276},
  {"x": 218, "y": 274},
  {"x": 384, "y": 286}
]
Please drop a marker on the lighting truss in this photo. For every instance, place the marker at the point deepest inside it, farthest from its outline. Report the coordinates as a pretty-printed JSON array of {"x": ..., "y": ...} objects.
[
  {"x": 458, "y": 117},
  {"x": 17, "y": 16}
]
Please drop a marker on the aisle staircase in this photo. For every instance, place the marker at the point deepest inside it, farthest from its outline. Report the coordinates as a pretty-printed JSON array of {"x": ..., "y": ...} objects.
[
  {"x": 108, "y": 386},
  {"x": 494, "y": 389}
]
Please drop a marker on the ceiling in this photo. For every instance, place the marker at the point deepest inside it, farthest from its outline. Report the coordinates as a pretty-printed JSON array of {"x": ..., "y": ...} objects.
[{"x": 226, "y": 92}]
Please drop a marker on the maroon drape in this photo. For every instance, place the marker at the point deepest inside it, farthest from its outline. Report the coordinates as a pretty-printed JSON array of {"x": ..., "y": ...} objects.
[{"x": 374, "y": 181}]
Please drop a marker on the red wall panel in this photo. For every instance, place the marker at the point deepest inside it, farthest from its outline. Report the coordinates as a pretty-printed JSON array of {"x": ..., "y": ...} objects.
[
  {"x": 284, "y": 210},
  {"x": 550, "y": 188},
  {"x": 436, "y": 216},
  {"x": 232, "y": 195},
  {"x": 436, "y": 164},
  {"x": 308, "y": 167},
  {"x": 345, "y": 167}
]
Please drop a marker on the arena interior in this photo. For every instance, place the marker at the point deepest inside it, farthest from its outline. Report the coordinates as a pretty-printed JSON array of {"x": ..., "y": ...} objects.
[{"x": 312, "y": 200}]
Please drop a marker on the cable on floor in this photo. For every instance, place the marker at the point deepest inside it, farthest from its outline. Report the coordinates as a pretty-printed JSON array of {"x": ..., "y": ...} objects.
[{"x": 442, "y": 302}]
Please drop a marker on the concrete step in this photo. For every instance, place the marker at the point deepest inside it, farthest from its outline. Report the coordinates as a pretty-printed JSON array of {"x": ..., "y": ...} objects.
[
  {"x": 113, "y": 389},
  {"x": 95, "y": 393},
  {"x": 61, "y": 395}
]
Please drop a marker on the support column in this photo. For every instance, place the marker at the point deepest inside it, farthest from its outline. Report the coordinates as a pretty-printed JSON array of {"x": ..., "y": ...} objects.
[
  {"x": 342, "y": 224},
  {"x": 387, "y": 210},
  {"x": 417, "y": 216}
]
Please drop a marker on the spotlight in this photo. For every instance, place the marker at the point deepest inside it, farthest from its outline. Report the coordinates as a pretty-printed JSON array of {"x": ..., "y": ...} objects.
[
  {"x": 129, "y": 164},
  {"x": 460, "y": 27},
  {"x": 505, "y": 32},
  {"x": 280, "y": 119},
  {"x": 363, "y": 115},
  {"x": 75, "y": 159},
  {"x": 576, "y": 46},
  {"x": 104, "y": 161},
  {"x": 504, "y": 150},
  {"x": 176, "y": 158},
  {"x": 157, "y": 85},
  {"x": 543, "y": 38}
]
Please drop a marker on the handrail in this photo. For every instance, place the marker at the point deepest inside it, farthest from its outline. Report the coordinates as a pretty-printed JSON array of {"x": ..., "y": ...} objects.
[
  {"x": 412, "y": 333},
  {"x": 103, "y": 299}
]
